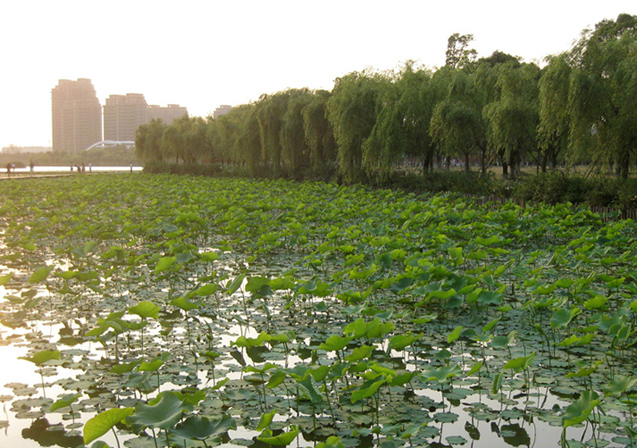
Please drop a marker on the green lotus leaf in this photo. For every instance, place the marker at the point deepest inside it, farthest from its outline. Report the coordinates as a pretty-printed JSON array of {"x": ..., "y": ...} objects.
[
  {"x": 265, "y": 420},
  {"x": 455, "y": 334},
  {"x": 163, "y": 414},
  {"x": 446, "y": 417},
  {"x": 145, "y": 310},
  {"x": 124, "y": 368},
  {"x": 40, "y": 274},
  {"x": 335, "y": 343},
  {"x": 200, "y": 428},
  {"x": 254, "y": 284},
  {"x": 235, "y": 285},
  {"x": 360, "y": 353},
  {"x": 65, "y": 401},
  {"x": 331, "y": 442},
  {"x": 520, "y": 363},
  {"x": 184, "y": 304},
  {"x": 207, "y": 290},
  {"x": 441, "y": 374},
  {"x": 401, "y": 341},
  {"x": 563, "y": 317},
  {"x": 4, "y": 279},
  {"x": 503, "y": 341},
  {"x": 579, "y": 410},
  {"x": 312, "y": 392},
  {"x": 620, "y": 384},
  {"x": 164, "y": 264},
  {"x": 41, "y": 357},
  {"x": 66, "y": 275},
  {"x": 100, "y": 424},
  {"x": 367, "y": 390},
  {"x": 282, "y": 439}
]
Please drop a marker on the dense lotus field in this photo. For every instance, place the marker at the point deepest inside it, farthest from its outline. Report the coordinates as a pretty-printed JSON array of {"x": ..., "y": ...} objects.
[{"x": 179, "y": 311}]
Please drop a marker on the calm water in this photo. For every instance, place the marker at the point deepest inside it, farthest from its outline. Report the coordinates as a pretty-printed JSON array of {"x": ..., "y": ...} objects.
[{"x": 67, "y": 169}]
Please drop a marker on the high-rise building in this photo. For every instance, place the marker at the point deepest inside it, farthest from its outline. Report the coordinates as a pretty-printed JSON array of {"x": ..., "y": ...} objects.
[
  {"x": 77, "y": 116},
  {"x": 123, "y": 114},
  {"x": 222, "y": 110},
  {"x": 166, "y": 114}
]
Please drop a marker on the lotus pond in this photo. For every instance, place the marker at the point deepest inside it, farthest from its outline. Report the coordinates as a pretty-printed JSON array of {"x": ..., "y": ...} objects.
[{"x": 149, "y": 310}]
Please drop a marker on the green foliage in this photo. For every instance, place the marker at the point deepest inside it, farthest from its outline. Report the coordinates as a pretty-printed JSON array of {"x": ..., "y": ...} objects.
[{"x": 99, "y": 425}]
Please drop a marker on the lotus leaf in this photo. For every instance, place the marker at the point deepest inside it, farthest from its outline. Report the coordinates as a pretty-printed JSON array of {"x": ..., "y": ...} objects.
[
  {"x": 163, "y": 414},
  {"x": 99, "y": 425},
  {"x": 200, "y": 428}
]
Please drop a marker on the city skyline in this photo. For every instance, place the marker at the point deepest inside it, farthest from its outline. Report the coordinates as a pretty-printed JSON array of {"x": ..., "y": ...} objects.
[
  {"x": 79, "y": 120},
  {"x": 208, "y": 53}
]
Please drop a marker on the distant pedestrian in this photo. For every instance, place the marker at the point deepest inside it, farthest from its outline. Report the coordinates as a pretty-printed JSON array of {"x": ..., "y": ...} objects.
[
  {"x": 31, "y": 166},
  {"x": 83, "y": 167},
  {"x": 131, "y": 167},
  {"x": 9, "y": 170}
]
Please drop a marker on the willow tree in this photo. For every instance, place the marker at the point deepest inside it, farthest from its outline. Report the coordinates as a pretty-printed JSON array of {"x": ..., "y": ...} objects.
[
  {"x": 197, "y": 146},
  {"x": 351, "y": 111},
  {"x": 235, "y": 136},
  {"x": 248, "y": 145},
  {"x": 603, "y": 93},
  {"x": 401, "y": 131},
  {"x": 554, "y": 125},
  {"x": 295, "y": 151},
  {"x": 457, "y": 127},
  {"x": 319, "y": 135},
  {"x": 270, "y": 111},
  {"x": 512, "y": 119},
  {"x": 148, "y": 141}
]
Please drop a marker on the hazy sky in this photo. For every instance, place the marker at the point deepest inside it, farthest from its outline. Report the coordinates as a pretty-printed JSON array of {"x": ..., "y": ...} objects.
[{"x": 204, "y": 53}]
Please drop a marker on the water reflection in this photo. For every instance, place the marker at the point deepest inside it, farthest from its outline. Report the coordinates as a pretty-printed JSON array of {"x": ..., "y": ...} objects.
[{"x": 52, "y": 435}]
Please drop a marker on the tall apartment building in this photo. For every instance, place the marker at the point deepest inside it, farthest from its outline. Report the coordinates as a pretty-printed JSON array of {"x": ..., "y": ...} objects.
[
  {"x": 166, "y": 114},
  {"x": 222, "y": 110},
  {"x": 123, "y": 114},
  {"x": 77, "y": 116}
]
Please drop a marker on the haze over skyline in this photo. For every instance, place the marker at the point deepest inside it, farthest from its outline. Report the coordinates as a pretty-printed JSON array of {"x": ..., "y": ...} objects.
[{"x": 202, "y": 54}]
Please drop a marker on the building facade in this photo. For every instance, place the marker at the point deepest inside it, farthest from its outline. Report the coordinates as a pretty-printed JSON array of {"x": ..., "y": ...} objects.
[
  {"x": 222, "y": 110},
  {"x": 123, "y": 114},
  {"x": 166, "y": 114},
  {"x": 77, "y": 116}
]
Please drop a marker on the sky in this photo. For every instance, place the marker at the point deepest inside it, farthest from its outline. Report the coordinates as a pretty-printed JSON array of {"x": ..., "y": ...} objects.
[{"x": 204, "y": 53}]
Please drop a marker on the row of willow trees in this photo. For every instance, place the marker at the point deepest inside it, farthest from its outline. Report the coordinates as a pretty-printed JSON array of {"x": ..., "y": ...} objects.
[{"x": 581, "y": 107}]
